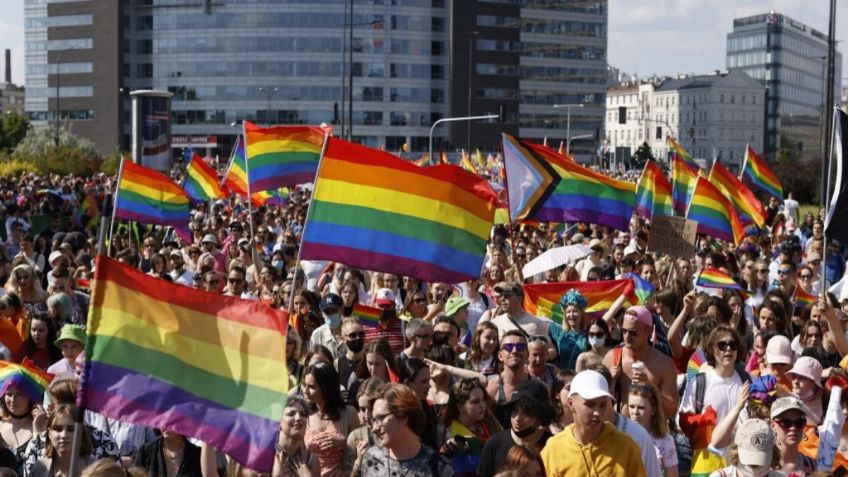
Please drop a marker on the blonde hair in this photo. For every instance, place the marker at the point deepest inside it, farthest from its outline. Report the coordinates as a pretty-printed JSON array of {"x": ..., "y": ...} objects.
[{"x": 109, "y": 468}]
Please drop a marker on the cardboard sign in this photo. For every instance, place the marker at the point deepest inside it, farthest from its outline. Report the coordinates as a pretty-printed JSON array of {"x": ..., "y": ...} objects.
[{"x": 674, "y": 236}]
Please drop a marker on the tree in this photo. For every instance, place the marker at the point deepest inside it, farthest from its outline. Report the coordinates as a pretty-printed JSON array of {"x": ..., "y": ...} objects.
[
  {"x": 12, "y": 130},
  {"x": 73, "y": 155},
  {"x": 643, "y": 155}
]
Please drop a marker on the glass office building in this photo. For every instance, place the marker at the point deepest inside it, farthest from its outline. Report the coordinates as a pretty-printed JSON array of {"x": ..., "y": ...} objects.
[{"x": 790, "y": 59}]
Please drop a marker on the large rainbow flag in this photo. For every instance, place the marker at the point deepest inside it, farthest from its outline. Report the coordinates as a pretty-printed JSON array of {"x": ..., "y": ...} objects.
[
  {"x": 750, "y": 208},
  {"x": 201, "y": 364},
  {"x": 715, "y": 215},
  {"x": 147, "y": 196},
  {"x": 756, "y": 172},
  {"x": 545, "y": 187},
  {"x": 235, "y": 179},
  {"x": 653, "y": 193},
  {"x": 542, "y": 299},
  {"x": 201, "y": 181},
  {"x": 683, "y": 178},
  {"x": 373, "y": 210},
  {"x": 281, "y": 156}
]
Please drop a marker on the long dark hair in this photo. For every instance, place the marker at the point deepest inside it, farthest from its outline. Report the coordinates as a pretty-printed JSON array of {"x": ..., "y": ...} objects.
[
  {"x": 29, "y": 345},
  {"x": 327, "y": 380}
]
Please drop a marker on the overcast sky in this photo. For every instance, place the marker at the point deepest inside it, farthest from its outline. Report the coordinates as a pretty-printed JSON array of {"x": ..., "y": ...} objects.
[{"x": 646, "y": 37}]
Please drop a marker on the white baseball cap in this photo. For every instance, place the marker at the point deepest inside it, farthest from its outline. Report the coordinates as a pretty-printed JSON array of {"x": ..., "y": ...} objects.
[
  {"x": 590, "y": 385},
  {"x": 755, "y": 441}
]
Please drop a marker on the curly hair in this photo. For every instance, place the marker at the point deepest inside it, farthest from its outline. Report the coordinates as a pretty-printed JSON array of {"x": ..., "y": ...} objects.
[
  {"x": 460, "y": 393},
  {"x": 713, "y": 339}
]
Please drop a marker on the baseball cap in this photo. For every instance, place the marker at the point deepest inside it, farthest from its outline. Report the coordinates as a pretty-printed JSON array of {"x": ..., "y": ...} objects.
[
  {"x": 630, "y": 249},
  {"x": 509, "y": 287},
  {"x": 331, "y": 300},
  {"x": 598, "y": 243},
  {"x": 755, "y": 441},
  {"x": 779, "y": 350},
  {"x": 176, "y": 252},
  {"x": 781, "y": 405},
  {"x": 53, "y": 256},
  {"x": 209, "y": 238},
  {"x": 385, "y": 297},
  {"x": 590, "y": 384},
  {"x": 807, "y": 367},
  {"x": 639, "y": 314},
  {"x": 71, "y": 332},
  {"x": 577, "y": 238},
  {"x": 455, "y": 304}
]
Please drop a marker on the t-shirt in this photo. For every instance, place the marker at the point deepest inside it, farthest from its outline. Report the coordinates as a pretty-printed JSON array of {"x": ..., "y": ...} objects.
[
  {"x": 378, "y": 463},
  {"x": 495, "y": 450},
  {"x": 612, "y": 454},
  {"x": 666, "y": 451},
  {"x": 731, "y": 472},
  {"x": 646, "y": 444},
  {"x": 532, "y": 325},
  {"x": 721, "y": 393},
  {"x": 393, "y": 332}
]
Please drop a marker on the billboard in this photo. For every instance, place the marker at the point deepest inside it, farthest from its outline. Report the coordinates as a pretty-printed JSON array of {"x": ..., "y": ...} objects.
[{"x": 152, "y": 129}]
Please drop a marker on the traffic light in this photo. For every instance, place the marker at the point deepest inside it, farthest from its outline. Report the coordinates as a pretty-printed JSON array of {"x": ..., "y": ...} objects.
[
  {"x": 501, "y": 113},
  {"x": 622, "y": 115},
  {"x": 336, "y": 113}
]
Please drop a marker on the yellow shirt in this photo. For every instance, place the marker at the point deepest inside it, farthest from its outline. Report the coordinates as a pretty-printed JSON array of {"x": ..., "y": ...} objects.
[{"x": 612, "y": 454}]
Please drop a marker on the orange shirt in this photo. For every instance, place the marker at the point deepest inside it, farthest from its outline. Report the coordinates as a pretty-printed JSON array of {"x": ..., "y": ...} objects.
[{"x": 10, "y": 335}]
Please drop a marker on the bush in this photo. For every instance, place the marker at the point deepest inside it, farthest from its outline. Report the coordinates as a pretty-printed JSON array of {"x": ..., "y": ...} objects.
[{"x": 15, "y": 168}]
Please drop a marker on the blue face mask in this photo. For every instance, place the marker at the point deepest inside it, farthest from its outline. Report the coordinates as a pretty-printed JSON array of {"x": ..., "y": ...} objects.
[
  {"x": 333, "y": 320},
  {"x": 278, "y": 265}
]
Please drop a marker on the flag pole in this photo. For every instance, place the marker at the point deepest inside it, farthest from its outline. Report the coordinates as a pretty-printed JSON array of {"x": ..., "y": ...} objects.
[
  {"x": 743, "y": 162},
  {"x": 249, "y": 198},
  {"x": 290, "y": 304},
  {"x": 115, "y": 206},
  {"x": 825, "y": 202}
]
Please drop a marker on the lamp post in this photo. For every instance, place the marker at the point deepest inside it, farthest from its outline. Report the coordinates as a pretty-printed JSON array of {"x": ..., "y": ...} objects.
[
  {"x": 450, "y": 120},
  {"x": 471, "y": 34},
  {"x": 350, "y": 26},
  {"x": 268, "y": 93},
  {"x": 568, "y": 122}
]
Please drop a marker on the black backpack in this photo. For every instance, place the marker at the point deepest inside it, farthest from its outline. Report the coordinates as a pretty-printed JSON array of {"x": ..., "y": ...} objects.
[{"x": 701, "y": 387}]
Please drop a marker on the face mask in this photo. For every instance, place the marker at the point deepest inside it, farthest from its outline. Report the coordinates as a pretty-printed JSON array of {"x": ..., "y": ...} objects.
[
  {"x": 747, "y": 471},
  {"x": 807, "y": 395},
  {"x": 278, "y": 264},
  {"x": 387, "y": 314},
  {"x": 596, "y": 342},
  {"x": 355, "y": 346},
  {"x": 333, "y": 320},
  {"x": 524, "y": 432}
]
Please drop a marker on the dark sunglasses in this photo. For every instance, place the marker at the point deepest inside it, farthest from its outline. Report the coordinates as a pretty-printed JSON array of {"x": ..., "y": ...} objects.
[
  {"x": 762, "y": 270},
  {"x": 727, "y": 345},
  {"x": 514, "y": 347},
  {"x": 806, "y": 276},
  {"x": 785, "y": 423},
  {"x": 784, "y": 272},
  {"x": 596, "y": 335},
  {"x": 356, "y": 335}
]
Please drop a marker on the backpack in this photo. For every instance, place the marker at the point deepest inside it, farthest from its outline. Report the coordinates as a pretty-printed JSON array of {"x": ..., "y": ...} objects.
[{"x": 701, "y": 387}]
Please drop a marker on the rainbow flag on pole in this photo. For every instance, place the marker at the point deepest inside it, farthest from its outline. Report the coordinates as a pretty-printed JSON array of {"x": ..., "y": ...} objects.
[
  {"x": 715, "y": 215},
  {"x": 641, "y": 287},
  {"x": 681, "y": 152},
  {"x": 375, "y": 211},
  {"x": 542, "y": 299},
  {"x": 545, "y": 187},
  {"x": 716, "y": 278},
  {"x": 147, "y": 196},
  {"x": 756, "y": 172},
  {"x": 280, "y": 156},
  {"x": 653, "y": 193},
  {"x": 803, "y": 298},
  {"x": 235, "y": 179},
  {"x": 201, "y": 181},
  {"x": 750, "y": 208},
  {"x": 683, "y": 179},
  {"x": 201, "y": 364}
]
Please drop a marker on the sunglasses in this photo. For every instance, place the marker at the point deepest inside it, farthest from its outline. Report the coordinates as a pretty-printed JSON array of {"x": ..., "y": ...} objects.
[
  {"x": 785, "y": 423},
  {"x": 727, "y": 345},
  {"x": 514, "y": 347},
  {"x": 625, "y": 332},
  {"x": 356, "y": 335},
  {"x": 762, "y": 270},
  {"x": 784, "y": 272},
  {"x": 596, "y": 335},
  {"x": 806, "y": 276}
]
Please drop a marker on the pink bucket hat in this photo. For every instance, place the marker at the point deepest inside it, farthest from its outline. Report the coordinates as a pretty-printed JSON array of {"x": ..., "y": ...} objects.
[{"x": 807, "y": 367}]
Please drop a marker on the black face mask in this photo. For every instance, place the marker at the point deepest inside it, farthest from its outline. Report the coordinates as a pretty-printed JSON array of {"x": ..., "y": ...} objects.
[
  {"x": 387, "y": 314},
  {"x": 525, "y": 432},
  {"x": 355, "y": 346}
]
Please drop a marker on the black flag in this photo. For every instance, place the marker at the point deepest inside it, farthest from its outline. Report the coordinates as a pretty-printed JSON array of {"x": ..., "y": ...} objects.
[{"x": 836, "y": 223}]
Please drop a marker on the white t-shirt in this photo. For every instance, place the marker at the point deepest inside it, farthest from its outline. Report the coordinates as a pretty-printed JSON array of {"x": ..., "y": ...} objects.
[
  {"x": 666, "y": 451},
  {"x": 532, "y": 325},
  {"x": 720, "y": 393}
]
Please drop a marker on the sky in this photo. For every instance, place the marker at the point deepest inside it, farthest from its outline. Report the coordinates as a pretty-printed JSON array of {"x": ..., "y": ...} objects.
[{"x": 646, "y": 37}]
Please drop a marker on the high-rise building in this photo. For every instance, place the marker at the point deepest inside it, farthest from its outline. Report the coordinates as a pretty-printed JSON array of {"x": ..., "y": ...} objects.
[
  {"x": 790, "y": 59},
  {"x": 11, "y": 95},
  {"x": 382, "y": 71}
]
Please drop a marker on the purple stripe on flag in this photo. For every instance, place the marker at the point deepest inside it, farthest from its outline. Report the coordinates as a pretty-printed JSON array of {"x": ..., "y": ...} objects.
[
  {"x": 575, "y": 215},
  {"x": 276, "y": 182}
]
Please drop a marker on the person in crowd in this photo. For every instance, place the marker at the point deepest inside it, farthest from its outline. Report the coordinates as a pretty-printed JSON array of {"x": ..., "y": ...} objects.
[
  {"x": 380, "y": 361},
  {"x": 419, "y": 335},
  {"x": 643, "y": 407},
  {"x": 395, "y": 416},
  {"x": 537, "y": 360},
  {"x": 415, "y": 373},
  {"x": 806, "y": 377},
  {"x": 510, "y": 296},
  {"x": 23, "y": 282},
  {"x": 752, "y": 452},
  {"x": 483, "y": 355},
  {"x": 573, "y": 304},
  {"x": 329, "y": 334},
  {"x": 351, "y": 364},
  {"x": 171, "y": 454},
  {"x": 613, "y": 453},
  {"x": 788, "y": 421},
  {"x": 598, "y": 337},
  {"x": 71, "y": 342},
  {"x": 390, "y": 326},
  {"x": 362, "y": 438},
  {"x": 559, "y": 397},
  {"x": 513, "y": 356},
  {"x": 466, "y": 426},
  {"x": 524, "y": 461},
  {"x": 59, "y": 449}
]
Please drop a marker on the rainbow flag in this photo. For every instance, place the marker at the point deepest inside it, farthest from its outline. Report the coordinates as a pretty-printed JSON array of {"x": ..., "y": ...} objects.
[
  {"x": 653, "y": 193},
  {"x": 147, "y": 196},
  {"x": 375, "y": 211},
  {"x": 683, "y": 179},
  {"x": 280, "y": 156},
  {"x": 26, "y": 377},
  {"x": 749, "y": 207},
  {"x": 641, "y": 287},
  {"x": 235, "y": 179},
  {"x": 478, "y": 158},
  {"x": 715, "y": 215},
  {"x": 756, "y": 172},
  {"x": 467, "y": 164},
  {"x": 693, "y": 366},
  {"x": 803, "y": 298},
  {"x": 715, "y": 278},
  {"x": 201, "y": 181},
  {"x": 681, "y": 152},
  {"x": 545, "y": 187},
  {"x": 368, "y": 315},
  {"x": 201, "y": 364},
  {"x": 542, "y": 299}
]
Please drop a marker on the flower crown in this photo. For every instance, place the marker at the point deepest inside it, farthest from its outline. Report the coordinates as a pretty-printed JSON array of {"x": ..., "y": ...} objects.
[{"x": 573, "y": 297}]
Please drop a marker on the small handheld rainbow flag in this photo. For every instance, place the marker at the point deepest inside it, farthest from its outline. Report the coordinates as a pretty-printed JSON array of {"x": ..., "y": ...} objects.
[
  {"x": 693, "y": 367},
  {"x": 643, "y": 288},
  {"x": 236, "y": 177},
  {"x": 803, "y": 298},
  {"x": 26, "y": 377},
  {"x": 715, "y": 278},
  {"x": 201, "y": 181},
  {"x": 757, "y": 173},
  {"x": 368, "y": 315}
]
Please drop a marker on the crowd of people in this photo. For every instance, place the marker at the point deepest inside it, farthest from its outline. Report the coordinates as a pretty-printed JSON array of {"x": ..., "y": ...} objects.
[{"x": 455, "y": 379}]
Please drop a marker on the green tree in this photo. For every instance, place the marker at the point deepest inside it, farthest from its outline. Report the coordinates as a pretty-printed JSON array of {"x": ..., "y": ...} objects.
[
  {"x": 643, "y": 154},
  {"x": 73, "y": 154},
  {"x": 12, "y": 130}
]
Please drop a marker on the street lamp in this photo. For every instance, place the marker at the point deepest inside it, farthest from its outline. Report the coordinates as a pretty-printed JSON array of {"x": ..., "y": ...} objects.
[
  {"x": 450, "y": 120},
  {"x": 471, "y": 34},
  {"x": 350, "y": 26},
  {"x": 268, "y": 93},
  {"x": 568, "y": 122}
]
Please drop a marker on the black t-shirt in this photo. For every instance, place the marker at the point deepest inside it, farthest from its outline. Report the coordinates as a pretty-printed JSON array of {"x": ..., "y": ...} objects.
[{"x": 495, "y": 450}]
